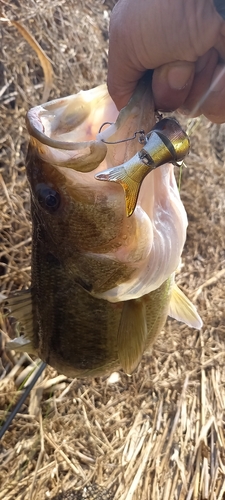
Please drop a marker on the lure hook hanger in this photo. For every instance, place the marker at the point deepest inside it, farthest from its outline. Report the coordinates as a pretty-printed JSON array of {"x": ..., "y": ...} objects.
[{"x": 142, "y": 139}]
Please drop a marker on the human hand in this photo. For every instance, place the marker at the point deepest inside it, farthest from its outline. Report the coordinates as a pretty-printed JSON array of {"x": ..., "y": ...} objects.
[{"x": 183, "y": 42}]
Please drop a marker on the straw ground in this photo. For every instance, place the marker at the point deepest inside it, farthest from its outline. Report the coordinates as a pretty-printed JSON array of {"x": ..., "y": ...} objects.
[{"x": 157, "y": 435}]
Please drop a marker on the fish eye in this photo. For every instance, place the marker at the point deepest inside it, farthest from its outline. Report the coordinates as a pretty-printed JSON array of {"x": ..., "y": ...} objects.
[{"x": 48, "y": 198}]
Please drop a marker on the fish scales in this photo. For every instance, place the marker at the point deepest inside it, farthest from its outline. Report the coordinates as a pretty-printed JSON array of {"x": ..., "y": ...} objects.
[{"x": 73, "y": 326}]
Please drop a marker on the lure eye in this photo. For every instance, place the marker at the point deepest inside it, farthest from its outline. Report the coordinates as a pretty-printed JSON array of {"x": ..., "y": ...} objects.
[{"x": 48, "y": 198}]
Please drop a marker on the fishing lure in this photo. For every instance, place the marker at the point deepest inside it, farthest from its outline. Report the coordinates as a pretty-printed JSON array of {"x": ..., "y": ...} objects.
[{"x": 166, "y": 142}]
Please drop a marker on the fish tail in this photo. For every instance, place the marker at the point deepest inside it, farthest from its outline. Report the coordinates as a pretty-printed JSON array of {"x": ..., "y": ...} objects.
[{"x": 129, "y": 176}]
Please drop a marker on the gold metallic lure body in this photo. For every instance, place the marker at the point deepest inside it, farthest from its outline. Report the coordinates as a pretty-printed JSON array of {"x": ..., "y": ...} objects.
[{"x": 166, "y": 142}]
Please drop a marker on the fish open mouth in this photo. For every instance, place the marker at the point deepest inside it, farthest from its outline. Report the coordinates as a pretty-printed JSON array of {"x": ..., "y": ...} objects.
[
  {"x": 68, "y": 128},
  {"x": 65, "y": 134}
]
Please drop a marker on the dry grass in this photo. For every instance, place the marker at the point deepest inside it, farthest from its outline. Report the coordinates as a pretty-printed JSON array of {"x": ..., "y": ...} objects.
[{"x": 157, "y": 435}]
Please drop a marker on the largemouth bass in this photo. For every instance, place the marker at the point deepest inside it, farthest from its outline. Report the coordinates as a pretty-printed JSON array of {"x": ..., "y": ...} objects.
[{"x": 104, "y": 254}]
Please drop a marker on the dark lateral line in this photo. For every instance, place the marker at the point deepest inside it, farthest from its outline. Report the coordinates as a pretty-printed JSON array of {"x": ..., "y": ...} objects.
[{"x": 22, "y": 399}]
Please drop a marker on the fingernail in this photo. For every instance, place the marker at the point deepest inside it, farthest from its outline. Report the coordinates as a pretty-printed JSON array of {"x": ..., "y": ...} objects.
[
  {"x": 218, "y": 82},
  {"x": 180, "y": 75}
]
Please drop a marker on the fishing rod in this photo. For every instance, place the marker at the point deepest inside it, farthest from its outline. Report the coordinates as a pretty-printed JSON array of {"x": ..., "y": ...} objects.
[{"x": 22, "y": 399}]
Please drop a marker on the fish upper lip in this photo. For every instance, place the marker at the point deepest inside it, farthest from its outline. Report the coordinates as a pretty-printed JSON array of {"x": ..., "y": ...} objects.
[
  {"x": 36, "y": 129},
  {"x": 57, "y": 124}
]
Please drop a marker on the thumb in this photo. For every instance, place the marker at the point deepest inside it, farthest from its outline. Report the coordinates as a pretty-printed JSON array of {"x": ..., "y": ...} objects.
[{"x": 171, "y": 84}]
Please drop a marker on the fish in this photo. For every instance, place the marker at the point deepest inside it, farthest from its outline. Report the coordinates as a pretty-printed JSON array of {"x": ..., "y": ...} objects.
[{"x": 103, "y": 258}]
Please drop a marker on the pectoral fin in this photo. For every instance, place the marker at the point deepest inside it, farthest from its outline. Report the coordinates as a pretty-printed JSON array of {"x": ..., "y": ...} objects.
[
  {"x": 20, "y": 344},
  {"x": 182, "y": 309},
  {"x": 132, "y": 334},
  {"x": 19, "y": 306}
]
